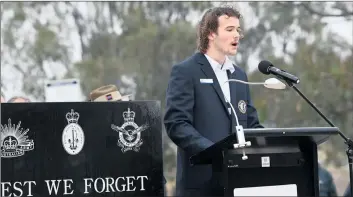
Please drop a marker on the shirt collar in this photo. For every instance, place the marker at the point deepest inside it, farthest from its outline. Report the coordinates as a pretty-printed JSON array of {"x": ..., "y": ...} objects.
[{"x": 227, "y": 65}]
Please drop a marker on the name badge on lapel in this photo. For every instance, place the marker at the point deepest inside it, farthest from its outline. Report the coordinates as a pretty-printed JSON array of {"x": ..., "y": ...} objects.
[{"x": 206, "y": 80}]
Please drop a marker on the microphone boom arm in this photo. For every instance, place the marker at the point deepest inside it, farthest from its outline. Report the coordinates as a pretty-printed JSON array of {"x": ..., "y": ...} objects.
[{"x": 244, "y": 82}]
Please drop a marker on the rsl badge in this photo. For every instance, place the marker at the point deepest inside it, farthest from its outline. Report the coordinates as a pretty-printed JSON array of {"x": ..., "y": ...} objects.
[
  {"x": 73, "y": 137},
  {"x": 14, "y": 140},
  {"x": 242, "y": 106},
  {"x": 129, "y": 132}
]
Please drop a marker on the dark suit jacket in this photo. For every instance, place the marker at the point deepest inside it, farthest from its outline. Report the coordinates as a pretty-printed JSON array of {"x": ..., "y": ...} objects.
[{"x": 197, "y": 116}]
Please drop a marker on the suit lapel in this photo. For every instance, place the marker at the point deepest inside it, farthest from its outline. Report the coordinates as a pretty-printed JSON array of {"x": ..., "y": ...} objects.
[
  {"x": 207, "y": 69},
  {"x": 233, "y": 90}
]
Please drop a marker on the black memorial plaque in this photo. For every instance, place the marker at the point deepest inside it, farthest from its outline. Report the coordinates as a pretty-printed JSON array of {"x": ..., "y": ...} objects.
[{"x": 81, "y": 149}]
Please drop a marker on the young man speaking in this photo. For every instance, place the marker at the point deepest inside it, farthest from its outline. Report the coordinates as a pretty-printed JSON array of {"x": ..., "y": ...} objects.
[{"x": 197, "y": 115}]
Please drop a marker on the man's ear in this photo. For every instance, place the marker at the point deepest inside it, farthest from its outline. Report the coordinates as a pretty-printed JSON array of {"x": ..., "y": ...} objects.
[{"x": 211, "y": 36}]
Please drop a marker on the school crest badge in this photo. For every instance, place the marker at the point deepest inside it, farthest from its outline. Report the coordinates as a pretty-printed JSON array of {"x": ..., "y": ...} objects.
[{"x": 242, "y": 106}]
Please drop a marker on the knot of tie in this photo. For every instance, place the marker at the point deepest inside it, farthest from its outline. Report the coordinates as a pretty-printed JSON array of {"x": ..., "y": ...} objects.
[{"x": 228, "y": 67}]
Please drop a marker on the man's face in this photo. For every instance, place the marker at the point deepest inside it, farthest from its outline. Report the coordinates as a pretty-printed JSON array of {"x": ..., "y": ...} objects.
[
  {"x": 2, "y": 100},
  {"x": 226, "y": 40}
]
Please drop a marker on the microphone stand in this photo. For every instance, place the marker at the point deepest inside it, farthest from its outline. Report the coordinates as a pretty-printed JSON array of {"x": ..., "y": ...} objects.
[{"x": 347, "y": 140}]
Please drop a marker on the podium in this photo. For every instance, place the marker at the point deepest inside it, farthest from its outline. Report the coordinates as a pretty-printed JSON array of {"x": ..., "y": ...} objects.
[
  {"x": 281, "y": 162},
  {"x": 83, "y": 149}
]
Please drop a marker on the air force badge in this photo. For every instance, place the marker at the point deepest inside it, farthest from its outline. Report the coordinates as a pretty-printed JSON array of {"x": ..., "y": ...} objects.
[{"x": 129, "y": 133}]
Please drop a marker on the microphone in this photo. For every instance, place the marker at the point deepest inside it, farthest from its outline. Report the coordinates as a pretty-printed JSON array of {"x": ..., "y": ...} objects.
[
  {"x": 271, "y": 83},
  {"x": 267, "y": 68}
]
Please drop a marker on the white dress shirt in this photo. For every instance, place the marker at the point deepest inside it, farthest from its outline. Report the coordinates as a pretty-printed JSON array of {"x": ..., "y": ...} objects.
[{"x": 221, "y": 74}]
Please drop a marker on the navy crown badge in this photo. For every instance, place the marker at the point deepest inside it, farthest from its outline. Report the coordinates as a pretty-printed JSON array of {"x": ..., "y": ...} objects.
[
  {"x": 14, "y": 141},
  {"x": 73, "y": 137},
  {"x": 129, "y": 132}
]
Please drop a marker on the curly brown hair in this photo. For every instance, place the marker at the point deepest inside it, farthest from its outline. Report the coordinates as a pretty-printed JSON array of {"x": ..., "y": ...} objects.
[{"x": 209, "y": 24}]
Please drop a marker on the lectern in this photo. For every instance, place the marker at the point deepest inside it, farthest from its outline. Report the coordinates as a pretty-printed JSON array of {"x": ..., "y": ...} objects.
[
  {"x": 278, "y": 158},
  {"x": 81, "y": 149}
]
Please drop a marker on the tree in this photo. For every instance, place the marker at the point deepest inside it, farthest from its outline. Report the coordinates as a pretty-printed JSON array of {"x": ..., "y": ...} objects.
[{"x": 30, "y": 54}]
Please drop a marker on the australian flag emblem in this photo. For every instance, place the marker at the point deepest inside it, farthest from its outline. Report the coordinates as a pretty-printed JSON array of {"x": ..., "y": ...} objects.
[{"x": 109, "y": 97}]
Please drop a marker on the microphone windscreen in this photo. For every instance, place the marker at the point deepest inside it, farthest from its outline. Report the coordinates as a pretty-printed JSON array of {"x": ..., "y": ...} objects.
[{"x": 263, "y": 67}]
